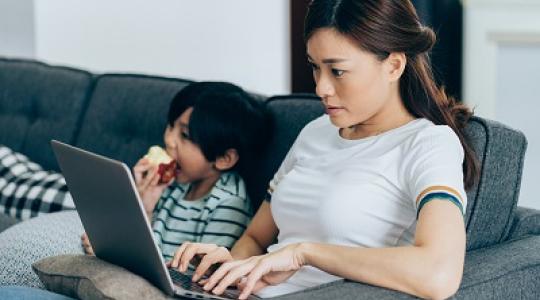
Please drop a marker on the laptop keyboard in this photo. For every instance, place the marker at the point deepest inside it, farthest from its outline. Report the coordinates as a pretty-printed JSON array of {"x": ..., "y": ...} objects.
[{"x": 184, "y": 281}]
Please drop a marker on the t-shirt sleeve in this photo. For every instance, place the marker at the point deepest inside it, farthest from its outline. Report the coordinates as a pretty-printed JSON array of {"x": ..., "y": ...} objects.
[
  {"x": 435, "y": 165},
  {"x": 286, "y": 166},
  {"x": 227, "y": 222}
]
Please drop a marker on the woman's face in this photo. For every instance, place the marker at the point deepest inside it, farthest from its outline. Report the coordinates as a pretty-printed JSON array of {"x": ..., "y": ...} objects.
[
  {"x": 355, "y": 87},
  {"x": 192, "y": 164}
]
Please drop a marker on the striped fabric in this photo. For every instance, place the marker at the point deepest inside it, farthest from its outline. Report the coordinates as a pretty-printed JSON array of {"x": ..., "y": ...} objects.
[
  {"x": 218, "y": 218},
  {"x": 439, "y": 193}
]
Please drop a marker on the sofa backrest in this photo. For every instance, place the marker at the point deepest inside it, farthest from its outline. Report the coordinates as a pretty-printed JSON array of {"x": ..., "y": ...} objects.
[
  {"x": 501, "y": 151},
  {"x": 126, "y": 115},
  {"x": 491, "y": 202},
  {"x": 120, "y": 116},
  {"x": 39, "y": 102}
]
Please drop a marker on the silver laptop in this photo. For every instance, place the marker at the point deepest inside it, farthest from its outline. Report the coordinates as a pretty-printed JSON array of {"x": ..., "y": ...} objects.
[{"x": 113, "y": 216}]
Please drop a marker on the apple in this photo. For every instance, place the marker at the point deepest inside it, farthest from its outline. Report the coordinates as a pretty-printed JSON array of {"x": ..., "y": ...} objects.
[{"x": 157, "y": 156}]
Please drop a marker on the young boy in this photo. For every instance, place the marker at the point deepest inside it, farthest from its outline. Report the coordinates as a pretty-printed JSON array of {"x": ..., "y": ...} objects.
[{"x": 213, "y": 129}]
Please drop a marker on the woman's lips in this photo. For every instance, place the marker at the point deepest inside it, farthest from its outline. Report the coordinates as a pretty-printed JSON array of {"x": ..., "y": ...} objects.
[{"x": 334, "y": 110}]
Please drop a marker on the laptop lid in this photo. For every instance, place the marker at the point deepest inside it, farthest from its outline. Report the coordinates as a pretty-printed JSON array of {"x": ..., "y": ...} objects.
[{"x": 112, "y": 214}]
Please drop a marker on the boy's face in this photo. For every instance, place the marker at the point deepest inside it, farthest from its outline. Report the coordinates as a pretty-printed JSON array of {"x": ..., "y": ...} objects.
[{"x": 192, "y": 165}]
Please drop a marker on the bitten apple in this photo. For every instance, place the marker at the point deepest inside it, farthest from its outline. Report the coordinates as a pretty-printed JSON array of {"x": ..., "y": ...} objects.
[{"x": 157, "y": 156}]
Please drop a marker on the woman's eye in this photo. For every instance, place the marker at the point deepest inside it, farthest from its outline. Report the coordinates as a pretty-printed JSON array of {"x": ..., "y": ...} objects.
[{"x": 337, "y": 73}]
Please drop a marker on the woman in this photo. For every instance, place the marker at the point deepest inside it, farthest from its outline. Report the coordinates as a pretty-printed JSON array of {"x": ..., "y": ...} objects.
[{"x": 373, "y": 191}]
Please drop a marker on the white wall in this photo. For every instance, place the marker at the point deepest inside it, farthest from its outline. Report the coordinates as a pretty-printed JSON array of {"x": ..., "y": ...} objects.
[
  {"x": 518, "y": 105},
  {"x": 242, "y": 41},
  {"x": 502, "y": 74},
  {"x": 17, "y": 28}
]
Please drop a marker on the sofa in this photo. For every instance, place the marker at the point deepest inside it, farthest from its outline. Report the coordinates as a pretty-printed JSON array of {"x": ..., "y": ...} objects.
[{"x": 121, "y": 115}]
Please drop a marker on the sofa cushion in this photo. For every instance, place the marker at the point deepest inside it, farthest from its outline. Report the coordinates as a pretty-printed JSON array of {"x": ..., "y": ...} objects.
[
  {"x": 26, "y": 242},
  {"x": 126, "y": 115},
  {"x": 39, "y": 102},
  {"x": 88, "y": 277},
  {"x": 508, "y": 270}
]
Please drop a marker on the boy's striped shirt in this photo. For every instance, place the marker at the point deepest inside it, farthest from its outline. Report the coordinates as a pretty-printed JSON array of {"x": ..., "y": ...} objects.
[{"x": 219, "y": 218}]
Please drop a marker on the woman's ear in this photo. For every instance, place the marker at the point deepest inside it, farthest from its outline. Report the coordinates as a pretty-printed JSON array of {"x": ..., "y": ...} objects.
[
  {"x": 227, "y": 160},
  {"x": 395, "y": 65}
]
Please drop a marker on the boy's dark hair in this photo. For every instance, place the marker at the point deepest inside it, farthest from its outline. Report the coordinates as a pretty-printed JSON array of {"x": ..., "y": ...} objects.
[{"x": 224, "y": 116}]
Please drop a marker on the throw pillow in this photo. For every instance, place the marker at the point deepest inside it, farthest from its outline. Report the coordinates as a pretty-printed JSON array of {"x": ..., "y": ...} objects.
[
  {"x": 88, "y": 277},
  {"x": 26, "y": 190},
  {"x": 31, "y": 240}
]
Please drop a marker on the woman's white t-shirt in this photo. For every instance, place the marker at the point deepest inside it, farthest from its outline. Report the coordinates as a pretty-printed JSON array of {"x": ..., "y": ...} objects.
[{"x": 363, "y": 192}]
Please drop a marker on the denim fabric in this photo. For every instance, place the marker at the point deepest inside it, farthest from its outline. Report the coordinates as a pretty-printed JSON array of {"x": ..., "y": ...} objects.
[{"x": 28, "y": 293}]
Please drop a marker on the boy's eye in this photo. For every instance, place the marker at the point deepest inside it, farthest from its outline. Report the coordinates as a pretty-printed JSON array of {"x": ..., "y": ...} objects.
[
  {"x": 184, "y": 135},
  {"x": 337, "y": 73}
]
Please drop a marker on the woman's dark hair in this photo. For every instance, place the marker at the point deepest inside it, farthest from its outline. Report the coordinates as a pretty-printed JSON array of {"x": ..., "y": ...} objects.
[
  {"x": 224, "y": 117},
  {"x": 383, "y": 27}
]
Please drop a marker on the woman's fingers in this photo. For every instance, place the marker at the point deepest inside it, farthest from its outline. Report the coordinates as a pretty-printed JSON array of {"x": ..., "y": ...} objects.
[
  {"x": 218, "y": 255},
  {"x": 234, "y": 275},
  {"x": 253, "y": 279},
  {"x": 187, "y": 251},
  {"x": 218, "y": 275},
  {"x": 245, "y": 293},
  {"x": 229, "y": 274},
  {"x": 178, "y": 255}
]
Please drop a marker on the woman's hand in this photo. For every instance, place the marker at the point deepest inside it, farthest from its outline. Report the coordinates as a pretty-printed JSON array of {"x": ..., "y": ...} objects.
[
  {"x": 211, "y": 255},
  {"x": 254, "y": 273},
  {"x": 146, "y": 180},
  {"x": 86, "y": 244}
]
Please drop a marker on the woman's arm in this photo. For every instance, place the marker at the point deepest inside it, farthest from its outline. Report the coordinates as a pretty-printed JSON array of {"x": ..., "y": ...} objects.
[
  {"x": 260, "y": 233},
  {"x": 432, "y": 268}
]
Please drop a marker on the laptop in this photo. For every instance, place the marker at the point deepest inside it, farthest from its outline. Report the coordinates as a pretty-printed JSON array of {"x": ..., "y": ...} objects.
[{"x": 113, "y": 216}]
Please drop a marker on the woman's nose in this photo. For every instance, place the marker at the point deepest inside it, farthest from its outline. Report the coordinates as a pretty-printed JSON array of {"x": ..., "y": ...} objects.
[{"x": 324, "y": 87}]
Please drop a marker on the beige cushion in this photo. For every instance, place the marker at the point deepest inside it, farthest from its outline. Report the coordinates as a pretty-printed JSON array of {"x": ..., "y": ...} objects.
[{"x": 88, "y": 277}]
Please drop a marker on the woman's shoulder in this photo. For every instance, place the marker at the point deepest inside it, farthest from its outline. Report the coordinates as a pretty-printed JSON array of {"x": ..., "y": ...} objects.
[
  {"x": 320, "y": 126},
  {"x": 431, "y": 137},
  {"x": 430, "y": 133}
]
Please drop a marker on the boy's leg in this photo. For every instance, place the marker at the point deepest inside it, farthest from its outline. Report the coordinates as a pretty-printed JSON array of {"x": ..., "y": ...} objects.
[{"x": 28, "y": 293}]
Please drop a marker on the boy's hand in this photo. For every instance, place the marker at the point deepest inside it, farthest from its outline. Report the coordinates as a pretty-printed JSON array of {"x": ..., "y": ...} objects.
[
  {"x": 147, "y": 182},
  {"x": 86, "y": 244}
]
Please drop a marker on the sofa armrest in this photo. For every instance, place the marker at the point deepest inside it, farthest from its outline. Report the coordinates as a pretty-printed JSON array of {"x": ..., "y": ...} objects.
[
  {"x": 501, "y": 271},
  {"x": 526, "y": 221}
]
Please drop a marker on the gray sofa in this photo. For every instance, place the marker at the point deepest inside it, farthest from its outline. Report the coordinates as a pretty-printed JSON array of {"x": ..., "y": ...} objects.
[{"x": 121, "y": 115}]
